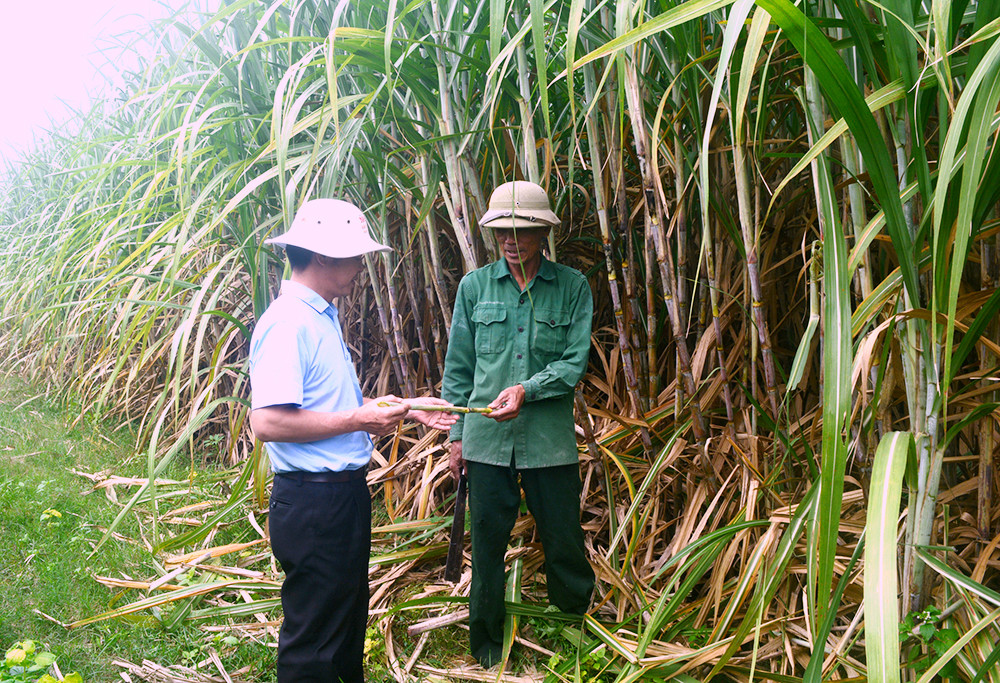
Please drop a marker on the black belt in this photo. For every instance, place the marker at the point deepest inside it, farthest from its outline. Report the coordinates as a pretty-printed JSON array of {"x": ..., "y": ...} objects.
[{"x": 324, "y": 477}]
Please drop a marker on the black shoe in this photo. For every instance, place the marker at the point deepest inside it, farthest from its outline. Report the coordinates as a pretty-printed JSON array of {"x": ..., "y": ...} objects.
[{"x": 488, "y": 655}]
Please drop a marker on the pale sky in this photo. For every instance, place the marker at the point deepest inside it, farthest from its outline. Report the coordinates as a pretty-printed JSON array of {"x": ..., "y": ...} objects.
[{"x": 49, "y": 52}]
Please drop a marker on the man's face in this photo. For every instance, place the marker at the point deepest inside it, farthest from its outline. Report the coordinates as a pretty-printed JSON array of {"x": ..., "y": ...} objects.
[
  {"x": 341, "y": 273},
  {"x": 520, "y": 246}
]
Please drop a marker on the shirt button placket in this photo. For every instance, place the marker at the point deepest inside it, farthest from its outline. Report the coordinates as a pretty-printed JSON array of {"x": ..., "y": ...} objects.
[
  {"x": 520, "y": 340},
  {"x": 520, "y": 433}
]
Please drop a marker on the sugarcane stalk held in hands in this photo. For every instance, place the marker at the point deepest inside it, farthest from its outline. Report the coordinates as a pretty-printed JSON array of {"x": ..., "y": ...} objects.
[{"x": 439, "y": 409}]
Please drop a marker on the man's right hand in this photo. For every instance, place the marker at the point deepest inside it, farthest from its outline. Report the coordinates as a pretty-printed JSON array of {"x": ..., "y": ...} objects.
[
  {"x": 456, "y": 463},
  {"x": 380, "y": 416}
]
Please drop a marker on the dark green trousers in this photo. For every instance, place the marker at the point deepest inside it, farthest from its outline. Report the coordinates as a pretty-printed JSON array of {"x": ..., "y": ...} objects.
[{"x": 553, "y": 497}]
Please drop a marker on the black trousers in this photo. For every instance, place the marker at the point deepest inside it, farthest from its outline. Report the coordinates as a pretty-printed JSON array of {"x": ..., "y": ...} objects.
[
  {"x": 553, "y": 497},
  {"x": 321, "y": 535}
]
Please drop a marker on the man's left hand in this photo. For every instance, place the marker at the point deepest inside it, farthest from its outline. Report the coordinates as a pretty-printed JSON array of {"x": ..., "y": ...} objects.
[
  {"x": 433, "y": 419},
  {"x": 507, "y": 404}
]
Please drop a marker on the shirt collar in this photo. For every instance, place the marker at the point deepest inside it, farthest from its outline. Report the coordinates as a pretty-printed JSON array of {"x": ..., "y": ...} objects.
[
  {"x": 546, "y": 270},
  {"x": 307, "y": 295}
]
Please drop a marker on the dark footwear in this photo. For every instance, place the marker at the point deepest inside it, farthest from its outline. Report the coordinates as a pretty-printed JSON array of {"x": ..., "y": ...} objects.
[{"x": 488, "y": 655}]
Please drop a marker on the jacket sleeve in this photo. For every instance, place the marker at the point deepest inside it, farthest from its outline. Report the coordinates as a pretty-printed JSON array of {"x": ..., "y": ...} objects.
[
  {"x": 561, "y": 376},
  {"x": 460, "y": 360}
]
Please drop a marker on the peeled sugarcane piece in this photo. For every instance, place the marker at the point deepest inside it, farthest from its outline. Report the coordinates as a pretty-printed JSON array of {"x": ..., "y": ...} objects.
[{"x": 439, "y": 409}]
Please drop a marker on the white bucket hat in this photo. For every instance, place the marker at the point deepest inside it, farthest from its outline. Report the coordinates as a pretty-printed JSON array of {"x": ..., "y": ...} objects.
[
  {"x": 519, "y": 204},
  {"x": 330, "y": 227}
]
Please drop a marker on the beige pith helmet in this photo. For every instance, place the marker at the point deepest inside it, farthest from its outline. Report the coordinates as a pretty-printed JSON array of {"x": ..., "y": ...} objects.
[
  {"x": 331, "y": 227},
  {"x": 519, "y": 204}
]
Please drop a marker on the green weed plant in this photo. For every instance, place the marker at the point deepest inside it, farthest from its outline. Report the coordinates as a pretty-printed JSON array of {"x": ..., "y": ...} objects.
[
  {"x": 924, "y": 639},
  {"x": 26, "y": 660}
]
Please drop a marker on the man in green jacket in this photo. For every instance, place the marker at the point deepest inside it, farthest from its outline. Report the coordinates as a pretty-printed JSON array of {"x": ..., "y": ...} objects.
[{"x": 519, "y": 344}]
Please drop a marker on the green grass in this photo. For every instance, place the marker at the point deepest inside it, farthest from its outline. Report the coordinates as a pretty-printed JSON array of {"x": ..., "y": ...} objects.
[{"x": 46, "y": 560}]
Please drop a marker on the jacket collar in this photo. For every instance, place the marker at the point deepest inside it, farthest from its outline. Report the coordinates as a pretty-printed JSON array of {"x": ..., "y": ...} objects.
[{"x": 500, "y": 269}]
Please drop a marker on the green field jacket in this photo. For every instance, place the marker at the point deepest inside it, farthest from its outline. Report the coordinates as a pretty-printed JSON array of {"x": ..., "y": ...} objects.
[{"x": 501, "y": 336}]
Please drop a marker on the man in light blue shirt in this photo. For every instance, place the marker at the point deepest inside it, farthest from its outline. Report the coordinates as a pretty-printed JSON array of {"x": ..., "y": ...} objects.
[
  {"x": 308, "y": 409},
  {"x": 309, "y": 366}
]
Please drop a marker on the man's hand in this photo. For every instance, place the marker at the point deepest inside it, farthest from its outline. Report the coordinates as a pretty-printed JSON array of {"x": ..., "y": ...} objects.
[
  {"x": 507, "y": 404},
  {"x": 378, "y": 419},
  {"x": 433, "y": 419},
  {"x": 292, "y": 424},
  {"x": 456, "y": 463}
]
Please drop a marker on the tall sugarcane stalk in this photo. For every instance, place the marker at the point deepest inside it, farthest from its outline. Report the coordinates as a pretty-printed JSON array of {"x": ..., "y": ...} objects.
[
  {"x": 386, "y": 315},
  {"x": 917, "y": 342},
  {"x": 597, "y": 165},
  {"x": 679, "y": 173},
  {"x": 749, "y": 227},
  {"x": 679, "y": 166},
  {"x": 647, "y": 373},
  {"x": 434, "y": 250},
  {"x": 392, "y": 320},
  {"x": 412, "y": 291},
  {"x": 738, "y": 16},
  {"x": 914, "y": 345},
  {"x": 438, "y": 334},
  {"x": 454, "y": 192},
  {"x": 682, "y": 179},
  {"x": 529, "y": 153},
  {"x": 708, "y": 248},
  {"x": 652, "y": 214},
  {"x": 989, "y": 275}
]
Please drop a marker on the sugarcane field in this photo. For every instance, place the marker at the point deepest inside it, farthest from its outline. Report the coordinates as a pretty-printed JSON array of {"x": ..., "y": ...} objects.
[{"x": 664, "y": 337}]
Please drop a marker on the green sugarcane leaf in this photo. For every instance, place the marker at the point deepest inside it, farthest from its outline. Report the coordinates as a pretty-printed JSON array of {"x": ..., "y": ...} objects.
[
  {"x": 674, "y": 16},
  {"x": 979, "y": 412},
  {"x": 843, "y": 96},
  {"x": 814, "y": 668},
  {"x": 168, "y": 598},
  {"x": 982, "y": 100},
  {"x": 883, "y": 97},
  {"x": 244, "y": 609},
  {"x": 157, "y": 466},
  {"x": 958, "y": 578},
  {"x": 988, "y": 665},
  {"x": 538, "y": 39},
  {"x": 986, "y": 315},
  {"x": 837, "y": 361},
  {"x": 881, "y": 551},
  {"x": 805, "y": 344},
  {"x": 609, "y": 639}
]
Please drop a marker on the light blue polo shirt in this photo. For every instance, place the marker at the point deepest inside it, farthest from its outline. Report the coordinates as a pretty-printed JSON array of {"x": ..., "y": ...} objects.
[{"x": 298, "y": 357}]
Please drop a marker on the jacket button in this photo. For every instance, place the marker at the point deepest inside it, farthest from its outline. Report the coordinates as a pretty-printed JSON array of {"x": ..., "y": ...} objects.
[
  {"x": 520, "y": 329},
  {"x": 519, "y": 356}
]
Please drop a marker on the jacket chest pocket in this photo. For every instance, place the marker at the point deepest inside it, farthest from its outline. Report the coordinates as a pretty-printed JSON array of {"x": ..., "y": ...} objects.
[
  {"x": 551, "y": 328},
  {"x": 491, "y": 333}
]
